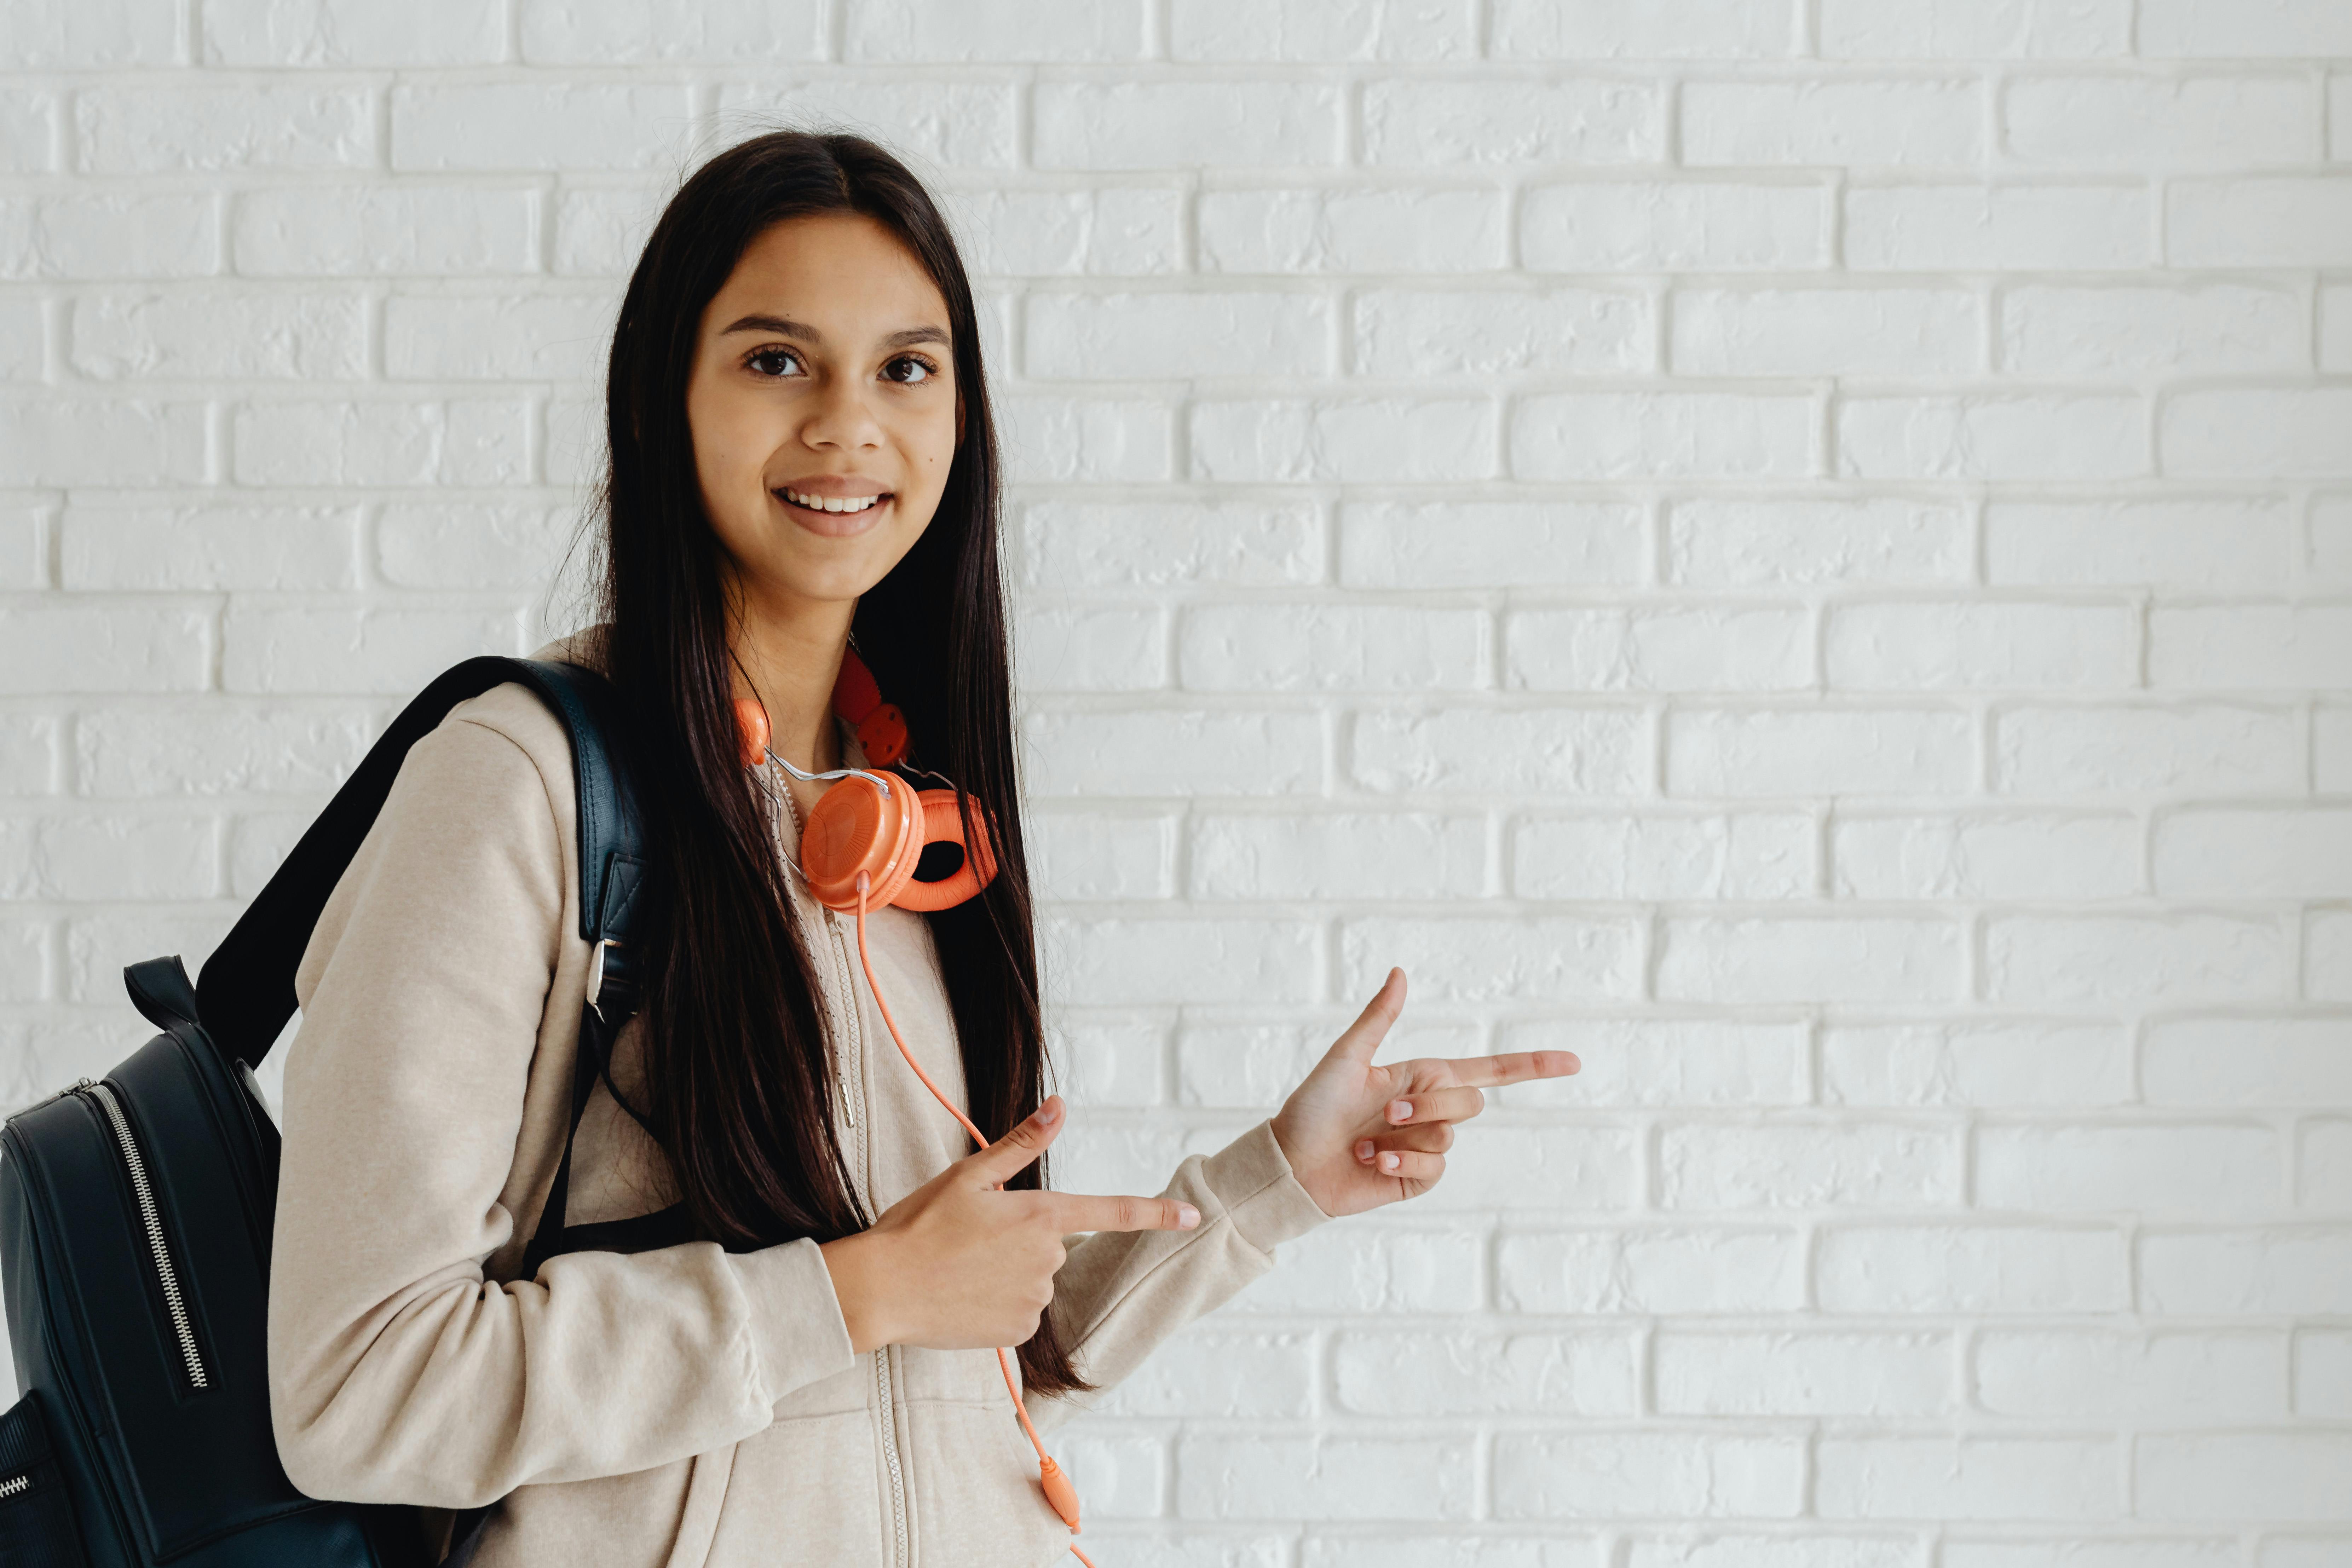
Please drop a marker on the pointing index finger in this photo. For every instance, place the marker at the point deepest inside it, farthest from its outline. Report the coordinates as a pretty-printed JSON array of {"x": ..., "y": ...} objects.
[
  {"x": 1080, "y": 1211},
  {"x": 1512, "y": 1066}
]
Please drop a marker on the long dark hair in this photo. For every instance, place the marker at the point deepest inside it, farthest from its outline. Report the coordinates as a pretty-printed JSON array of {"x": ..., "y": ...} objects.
[{"x": 737, "y": 1080}]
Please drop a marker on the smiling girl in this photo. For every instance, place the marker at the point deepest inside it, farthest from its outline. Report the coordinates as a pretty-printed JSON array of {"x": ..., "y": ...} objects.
[{"x": 781, "y": 1350}]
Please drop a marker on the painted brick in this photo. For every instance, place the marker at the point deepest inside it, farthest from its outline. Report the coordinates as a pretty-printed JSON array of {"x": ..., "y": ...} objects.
[
  {"x": 154, "y": 129},
  {"x": 1093, "y": 855},
  {"x": 76, "y": 441},
  {"x": 2177, "y": 27},
  {"x": 1287, "y": 232},
  {"x": 2127, "y": 122},
  {"x": 1407, "y": 333},
  {"x": 1705, "y": 648},
  {"x": 1681, "y": 1270},
  {"x": 460, "y": 442},
  {"x": 2156, "y": 1170},
  {"x": 21, "y": 337},
  {"x": 1643, "y": 1474},
  {"x": 1653, "y": 435},
  {"x": 1838, "y": 123},
  {"x": 528, "y": 126},
  {"x": 1271, "y": 441},
  {"x": 2260, "y": 432},
  {"x": 1118, "y": 231},
  {"x": 994, "y": 30},
  {"x": 2214, "y": 1272},
  {"x": 1479, "y": 959},
  {"x": 1974, "y": 30},
  {"x": 1714, "y": 1550},
  {"x": 1809, "y": 1166},
  {"x": 1490, "y": 544},
  {"x": 103, "y": 234},
  {"x": 1667, "y": 857},
  {"x": 28, "y": 131},
  {"x": 1967, "y": 1477},
  {"x": 1262, "y": 1376},
  {"x": 2197, "y": 545},
  {"x": 2278, "y": 1477},
  {"x": 1062, "y": 649},
  {"x": 2134, "y": 960},
  {"x": 1375, "y": 1270},
  {"x": 351, "y": 32},
  {"x": 2009, "y": 856},
  {"x": 1330, "y": 647},
  {"x": 1793, "y": 959},
  {"x": 1457, "y": 1373},
  {"x": 1127, "y": 963},
  {"x": 218, "y": 334},
  {"x": 30, "y": 754},
  {"x": 2023, "y": 1065},
  {"x": 210, "y": 750},
  {"x": 51, "y": 35},
  {"x": 752, "y": 32},
  {"x": 449, "y": 545},
  {"x": 1724, "y": 544},
  {"x": 1765, "y": 753},
  {"x": 1086, "y": 440},
  {"x": 2283, "y": 220},
  {"x": 1174, "y": 753},
  {"x": 1417, "y": 30},
  {"x": 1070, "y": 545},
  {"x": 81, "y": 860},
  {"x": 1977, "y": 1269},
  {"x": 209, "y": 547},
  {"x": 1356, "y": 1551},
  {"x": 1627, "y": 29},
  {"x": 2111, "y": 331},
  {"x": 1387, "y": 855},
  {"x": 2249, "y": 646},
  {"x": 2088, "y": 1375},
  {"x": 2323, "y": 1373},
  {"x": 1179, "y": 124},
  {"x": 2253, "y": 853},
  {"x": 2323, "y": 1166},
  {"x": 1825, "y": 331},
  {"x": 360, "y": 230},
  {"x": 1933, "y": 646},
  {"x": 2280, "y": 1061},
  {"x": 1691, "y": 226},
  {"x": 499, "y": 337},
  {"x": 2022, "y": 435},
  {"x": 1419, "y": 121},
  {"x": 1786, "y": 1374},
  {"x": 1130, "y": 336},
  {"x": 2327, "y": 956},
  {"x": 2045, "y": 227},
  {"x": 1552, "y": 751},
  {"x": 375, "y": 651},
  {"x": 2097, "y": 750}
]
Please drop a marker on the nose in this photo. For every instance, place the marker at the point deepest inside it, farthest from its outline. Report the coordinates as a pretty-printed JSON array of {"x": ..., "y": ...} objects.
[{"x": 841, "y": 413}]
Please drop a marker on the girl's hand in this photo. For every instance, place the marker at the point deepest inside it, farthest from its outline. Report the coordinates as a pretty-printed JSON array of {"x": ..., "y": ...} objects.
[
  {"x": 958, "y": 1264},
  {"x": 1358, "y": 1136}
]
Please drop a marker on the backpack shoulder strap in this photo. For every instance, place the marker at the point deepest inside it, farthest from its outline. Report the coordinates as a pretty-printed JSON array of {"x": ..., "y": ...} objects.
[{"x": 246, "y": 992}]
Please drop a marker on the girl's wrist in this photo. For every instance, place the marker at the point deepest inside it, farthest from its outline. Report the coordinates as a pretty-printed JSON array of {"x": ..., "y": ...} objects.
[{"x": 857, "y": 1287}]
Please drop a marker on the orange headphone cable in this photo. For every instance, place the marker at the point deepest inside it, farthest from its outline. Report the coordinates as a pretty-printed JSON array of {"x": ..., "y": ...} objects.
[{"x": 1059, "y": 1492}]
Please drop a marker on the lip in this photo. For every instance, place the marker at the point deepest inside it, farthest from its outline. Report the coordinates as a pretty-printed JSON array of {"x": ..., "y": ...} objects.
[{"x": 835, "y": 524}]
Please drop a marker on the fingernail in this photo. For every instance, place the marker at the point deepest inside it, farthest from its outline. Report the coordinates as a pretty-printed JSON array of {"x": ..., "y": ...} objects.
[
  {"x": 1364, "y": 1150},
  {"x": 1187, "y": 1217},
  {"x": 1387, "y": 1162},
  {"x": 1398, "y": 1110},
  {"x": 1049, "y": 1113}
]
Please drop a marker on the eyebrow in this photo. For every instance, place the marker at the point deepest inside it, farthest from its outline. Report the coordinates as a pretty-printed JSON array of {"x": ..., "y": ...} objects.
[{"x": 785, "y": 326}]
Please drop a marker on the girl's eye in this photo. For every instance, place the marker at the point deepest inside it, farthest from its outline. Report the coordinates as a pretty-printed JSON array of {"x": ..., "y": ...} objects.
[
  {"x": 909, "y": 370},
  {"x": 766, "y": 361}
]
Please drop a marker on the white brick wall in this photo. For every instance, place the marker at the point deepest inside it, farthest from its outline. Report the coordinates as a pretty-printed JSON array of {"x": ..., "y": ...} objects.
[{"x": 1802, "y": 548}]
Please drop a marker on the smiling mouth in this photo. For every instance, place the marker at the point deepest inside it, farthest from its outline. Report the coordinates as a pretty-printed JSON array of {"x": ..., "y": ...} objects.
[{"x": 835, "y": 506}]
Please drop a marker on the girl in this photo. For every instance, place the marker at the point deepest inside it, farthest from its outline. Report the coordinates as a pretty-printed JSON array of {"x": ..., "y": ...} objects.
[{"x": 794, "y": 1365}]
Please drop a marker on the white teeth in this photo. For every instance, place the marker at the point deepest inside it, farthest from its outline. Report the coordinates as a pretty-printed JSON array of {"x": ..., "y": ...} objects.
[{"x": 834, "y": 503}]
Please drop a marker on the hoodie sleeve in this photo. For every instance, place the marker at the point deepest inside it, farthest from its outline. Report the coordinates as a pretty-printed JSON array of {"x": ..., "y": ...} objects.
[
  {"x": 1121, "y": 1293},
  {"x": 399, "y": 1372}
]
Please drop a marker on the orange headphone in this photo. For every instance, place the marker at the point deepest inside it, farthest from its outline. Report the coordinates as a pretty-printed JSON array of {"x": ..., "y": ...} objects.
[
  {"x": 858, "y": 852},
  {"x": 872, "y": 822}
]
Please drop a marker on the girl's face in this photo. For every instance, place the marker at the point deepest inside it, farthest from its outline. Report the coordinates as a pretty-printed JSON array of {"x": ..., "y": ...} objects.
[{"x": 825, "y": 410}]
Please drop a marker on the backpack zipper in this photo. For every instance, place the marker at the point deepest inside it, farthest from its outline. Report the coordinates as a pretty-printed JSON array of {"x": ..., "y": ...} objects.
[{"x": 153, "y": 1218}]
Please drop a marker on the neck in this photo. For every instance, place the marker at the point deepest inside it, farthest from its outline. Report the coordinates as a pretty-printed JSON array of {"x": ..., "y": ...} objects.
[{"x": 789, "y": 660}]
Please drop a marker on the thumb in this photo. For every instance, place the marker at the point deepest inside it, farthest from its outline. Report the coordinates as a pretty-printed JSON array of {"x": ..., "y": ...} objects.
[
  {"x": 1005, "y": 1158},
  {"x": 1361, "y": 1039}
]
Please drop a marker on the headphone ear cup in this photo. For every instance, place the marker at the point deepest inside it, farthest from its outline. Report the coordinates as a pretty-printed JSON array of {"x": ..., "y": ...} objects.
[
  {"x": 943, "y": 823},
  {"x": 855, "y": 828}
]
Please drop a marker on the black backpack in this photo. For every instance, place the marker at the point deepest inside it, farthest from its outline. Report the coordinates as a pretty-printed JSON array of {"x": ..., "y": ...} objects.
[{"x": 135, "y": 1216}]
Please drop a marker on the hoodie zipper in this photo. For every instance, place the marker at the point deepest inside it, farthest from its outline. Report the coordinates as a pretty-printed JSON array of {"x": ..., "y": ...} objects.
[
  {"x": 151, "y": 1218},
  {"x": 884, "y": 1359},
  {"x": 15, "y": 1486}
]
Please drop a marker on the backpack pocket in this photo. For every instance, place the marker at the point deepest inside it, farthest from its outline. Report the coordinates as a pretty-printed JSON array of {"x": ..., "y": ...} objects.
[{"x": 37, "y": 1519}]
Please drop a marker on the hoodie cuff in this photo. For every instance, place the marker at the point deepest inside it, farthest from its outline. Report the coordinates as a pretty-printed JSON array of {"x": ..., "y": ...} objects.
[
  {"x": 797, "y": 1331},
  {"x": 1259, "y": 1192}
]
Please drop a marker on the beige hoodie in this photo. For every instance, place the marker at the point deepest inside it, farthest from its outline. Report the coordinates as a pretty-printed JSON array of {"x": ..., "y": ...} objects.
[{"x": 662, "y": 1409}]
